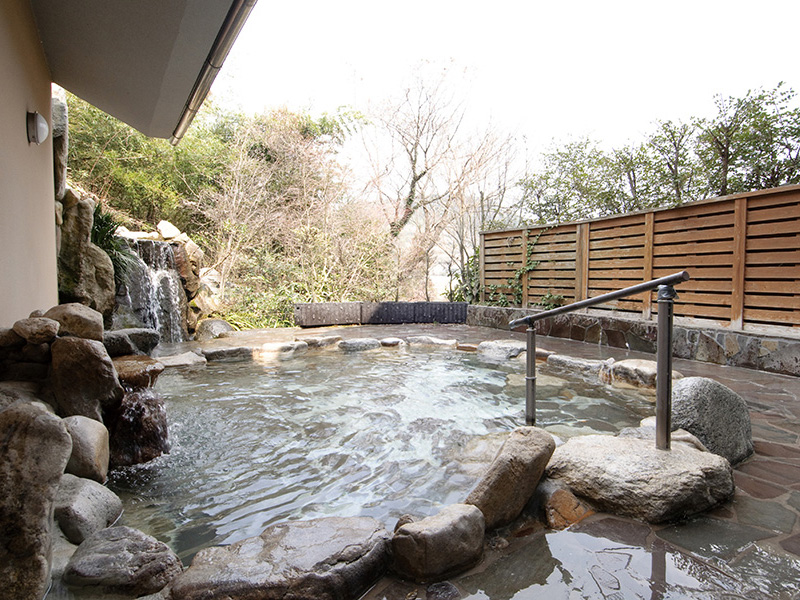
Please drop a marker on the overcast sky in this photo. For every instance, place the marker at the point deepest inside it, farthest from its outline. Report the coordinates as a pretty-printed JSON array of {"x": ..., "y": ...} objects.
[{"x": 540, "y": 69}]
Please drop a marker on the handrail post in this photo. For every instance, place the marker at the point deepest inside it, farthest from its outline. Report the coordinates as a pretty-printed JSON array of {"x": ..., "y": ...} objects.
[
  {"x": 666, "y": 298},
  {"x": 530, "y": 378}
]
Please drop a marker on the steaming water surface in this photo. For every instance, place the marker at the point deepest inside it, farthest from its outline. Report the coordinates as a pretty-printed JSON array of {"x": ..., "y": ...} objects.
[{"x": 377, "y": 433}]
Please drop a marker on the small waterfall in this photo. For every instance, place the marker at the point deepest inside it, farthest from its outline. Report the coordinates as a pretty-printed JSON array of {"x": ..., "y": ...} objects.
[{"x": 153, "y": 297}]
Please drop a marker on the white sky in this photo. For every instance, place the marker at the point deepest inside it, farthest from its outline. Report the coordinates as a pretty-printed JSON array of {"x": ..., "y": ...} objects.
[{"x": 605, "y": 68}]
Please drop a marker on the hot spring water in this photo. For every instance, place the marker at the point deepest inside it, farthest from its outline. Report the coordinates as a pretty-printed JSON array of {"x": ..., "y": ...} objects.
[{"x": 377, "y": 434}]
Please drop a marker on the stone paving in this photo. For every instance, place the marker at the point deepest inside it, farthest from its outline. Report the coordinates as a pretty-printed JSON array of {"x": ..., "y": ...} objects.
[{"x": 749, "y": 547}]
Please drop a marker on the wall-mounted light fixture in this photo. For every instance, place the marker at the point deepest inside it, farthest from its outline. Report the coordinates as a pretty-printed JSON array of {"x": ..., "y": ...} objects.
[{"x": 38, "y": 129}]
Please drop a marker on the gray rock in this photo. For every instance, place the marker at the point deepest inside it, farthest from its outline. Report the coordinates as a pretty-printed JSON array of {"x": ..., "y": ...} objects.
[
  {"x": 78, "y": 320},
  {"x": 37, "y": 330},
  {"x": 85, "y": 272},
  {"x": 142, "y": 338},
  {"x": 323, "y": 341},
  {"x": 90, "y": 450},
  {"x": 139, "y": 433},
  {"x": 34, "y": 449},
  {"x": 446, "y": 544},
  {"x": 359, "y": 344},
  {"x": 321, "y": 559},
  {"x": 511, "y": 479},
  {"x": 392, "y": 342},
  {"x": 427, "y": 340},
  {"x": 579, "y": 365},
  {"x": 501, "y": 349},
  {"x": 714, "y": 413},
  {"x": 118, "y": 343},
  {"x": 631, "y": 373},
  {"x": 187, "y": 359},
  {"x": 83, "y": 507},
  {"x": 647, "y": 431},
  {"x": 280, "y": 350},
  {"x": 629, "y": 476},
  {"x": 167, "y": 230},
  {"x": 232, "y": 354},
  {"x": 123, "y": 559},
  {"x": 209, "y": 329},
  {"x": 84, "y": 379}
]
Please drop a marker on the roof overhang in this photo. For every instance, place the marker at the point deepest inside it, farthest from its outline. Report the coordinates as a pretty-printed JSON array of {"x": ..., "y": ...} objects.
[{"x": 149, "y": 63}]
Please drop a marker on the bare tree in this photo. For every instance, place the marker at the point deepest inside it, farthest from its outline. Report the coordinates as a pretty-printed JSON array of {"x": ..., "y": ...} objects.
[{"x": 423, "y": 164}]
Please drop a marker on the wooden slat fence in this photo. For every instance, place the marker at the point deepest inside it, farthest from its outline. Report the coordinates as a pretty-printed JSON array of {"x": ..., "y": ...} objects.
[{"x": 742, "y": 251}]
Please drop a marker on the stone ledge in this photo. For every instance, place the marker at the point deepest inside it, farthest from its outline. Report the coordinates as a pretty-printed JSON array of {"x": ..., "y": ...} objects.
[{"x": 705, "y": 344}]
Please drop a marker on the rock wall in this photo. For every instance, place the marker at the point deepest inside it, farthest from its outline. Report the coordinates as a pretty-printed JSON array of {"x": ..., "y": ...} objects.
[{"x": 719, "y": 346}]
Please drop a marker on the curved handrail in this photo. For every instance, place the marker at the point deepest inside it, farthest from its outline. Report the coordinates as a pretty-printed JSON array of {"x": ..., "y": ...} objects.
[
  {"x": 628, "y": 291},
  {"x": 666, "y": 296}
]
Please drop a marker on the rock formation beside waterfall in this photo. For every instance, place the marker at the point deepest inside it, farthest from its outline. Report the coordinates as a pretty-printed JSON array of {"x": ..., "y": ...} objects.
[{"x": 85, "y": 272}]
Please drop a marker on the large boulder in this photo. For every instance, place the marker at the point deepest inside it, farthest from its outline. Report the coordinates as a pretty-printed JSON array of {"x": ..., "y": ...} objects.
[
  {"x": 209, "y": 329},
  {"x": 139, "y": 433},
  {"x": 439, "y": 546},
  {"x": 90, "y": 449},
  {"x": 511, "y": 479},
  {"x": 629, "y": 476},
  {"x": 85, "y": 272},
  {"x": 84, "y": 379},
  {"x": 122, "y": 559},
  {"x": 37, "y": 330},
  {"x": 359, "y": 344},
  {"x": 117, "y": 343},
  {"x": 78, "y": 320},
  {"x": 34, "y": 449},
  {"x": 498, "y": 350},
  {"x": 632, "y": 373},
  {"x": 145, "y": 340},
  {"x": 717, "y": 415},
  {"x": 84, "y": 507},
  {"x": 275, "y": 351},
  {"x": 323, "y": 559},
  {"x": 428, "y": 340}
]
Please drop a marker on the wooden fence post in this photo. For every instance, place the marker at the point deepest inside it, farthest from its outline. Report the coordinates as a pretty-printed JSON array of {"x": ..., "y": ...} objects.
[
  {"x": 525, "y": 275},
  {"x": 582, "y": 261},
  {"x": 647, "y": 305},
  {"x": 482, "y": 267},
  {"x": 738, "y": 263}
]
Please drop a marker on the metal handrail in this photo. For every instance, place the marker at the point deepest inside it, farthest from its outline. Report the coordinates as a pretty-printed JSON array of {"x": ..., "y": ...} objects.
[{"x": 666, "y": 297}]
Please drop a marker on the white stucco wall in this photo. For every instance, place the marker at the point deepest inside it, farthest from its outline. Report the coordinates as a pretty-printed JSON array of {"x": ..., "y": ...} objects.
[{"x": 28, "y": 278}]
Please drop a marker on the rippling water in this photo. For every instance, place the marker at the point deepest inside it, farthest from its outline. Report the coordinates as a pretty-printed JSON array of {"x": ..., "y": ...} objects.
[{"x": 375, "y": 433}]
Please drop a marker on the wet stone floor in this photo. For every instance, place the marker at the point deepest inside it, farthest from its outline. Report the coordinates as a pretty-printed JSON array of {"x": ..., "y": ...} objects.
[{"x": 747, "y": 548}]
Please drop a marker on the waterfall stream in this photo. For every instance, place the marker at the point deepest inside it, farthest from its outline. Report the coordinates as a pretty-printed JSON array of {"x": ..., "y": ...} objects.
[{"x": 153, "y": 296}]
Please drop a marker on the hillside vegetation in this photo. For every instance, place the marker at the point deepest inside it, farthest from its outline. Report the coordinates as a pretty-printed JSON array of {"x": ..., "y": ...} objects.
[{"x": 284, "y": 217}]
